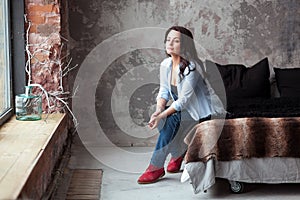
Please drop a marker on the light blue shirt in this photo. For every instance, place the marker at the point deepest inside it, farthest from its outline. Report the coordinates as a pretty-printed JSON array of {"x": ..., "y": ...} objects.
[{"x": 193, "y": 94}]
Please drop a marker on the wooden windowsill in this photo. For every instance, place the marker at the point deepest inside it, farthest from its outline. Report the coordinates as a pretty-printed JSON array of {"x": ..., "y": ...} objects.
[{"x": 21, "y": 145}]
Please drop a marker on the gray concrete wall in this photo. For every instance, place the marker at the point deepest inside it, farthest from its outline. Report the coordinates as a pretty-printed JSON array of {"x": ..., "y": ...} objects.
[{"x": 231, "y": 31}]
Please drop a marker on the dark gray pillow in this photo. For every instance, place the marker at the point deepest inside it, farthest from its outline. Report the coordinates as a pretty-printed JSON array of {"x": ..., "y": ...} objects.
[
  {"x": 243, "y": 82},
  {"x": 288, "y": 81}
]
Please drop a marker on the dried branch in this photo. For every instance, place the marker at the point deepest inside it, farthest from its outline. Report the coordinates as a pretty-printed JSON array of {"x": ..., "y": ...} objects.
[{"x": 53, "y": 98}]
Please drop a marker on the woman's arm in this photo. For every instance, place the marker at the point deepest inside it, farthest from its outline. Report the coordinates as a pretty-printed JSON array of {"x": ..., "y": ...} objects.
[
  {"x": 160, "y": 105},
  {"x": 163, "y": 95},
  {"x": 167, "y": 112}
]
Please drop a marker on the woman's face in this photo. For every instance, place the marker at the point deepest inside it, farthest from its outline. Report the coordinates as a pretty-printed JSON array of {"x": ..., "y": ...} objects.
[{"x": 173, "y": 43}]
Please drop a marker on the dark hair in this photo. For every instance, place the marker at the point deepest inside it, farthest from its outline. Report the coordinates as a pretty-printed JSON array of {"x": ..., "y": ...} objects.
[{"x": 188, "y": 50}]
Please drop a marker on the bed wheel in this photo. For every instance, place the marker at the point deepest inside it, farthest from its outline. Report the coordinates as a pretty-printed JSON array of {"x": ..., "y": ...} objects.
[{"x": 236, "y": 187}]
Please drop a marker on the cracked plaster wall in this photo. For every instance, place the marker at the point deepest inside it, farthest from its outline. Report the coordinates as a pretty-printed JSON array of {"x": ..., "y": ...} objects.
[{"x": 232, "y": 31}]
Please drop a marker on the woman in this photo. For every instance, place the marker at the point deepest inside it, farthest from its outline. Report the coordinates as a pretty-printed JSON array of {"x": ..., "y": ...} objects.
[{"x": 182, "y": 82}]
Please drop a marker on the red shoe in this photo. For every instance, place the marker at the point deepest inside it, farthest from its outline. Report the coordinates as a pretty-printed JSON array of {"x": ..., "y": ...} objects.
[
  {"x": 151, "y": 175},
  {"x": 174, "y": 165}
]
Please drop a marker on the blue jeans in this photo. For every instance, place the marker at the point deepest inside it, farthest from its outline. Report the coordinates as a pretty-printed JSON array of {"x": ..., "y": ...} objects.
[{"x": 172, "y": 131}]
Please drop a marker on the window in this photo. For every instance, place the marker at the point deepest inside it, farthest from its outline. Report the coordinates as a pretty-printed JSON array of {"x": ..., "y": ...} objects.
[{"x": 5, "y": 63}]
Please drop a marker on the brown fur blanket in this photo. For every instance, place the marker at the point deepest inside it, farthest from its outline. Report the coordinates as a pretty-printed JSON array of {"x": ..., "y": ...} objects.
[{"x": 234, "y": 139}]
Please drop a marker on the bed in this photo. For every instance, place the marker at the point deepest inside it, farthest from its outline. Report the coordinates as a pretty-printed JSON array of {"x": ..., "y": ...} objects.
[
  {"x": 253, "y": 150},
  {"x": 257, "y": 142}
]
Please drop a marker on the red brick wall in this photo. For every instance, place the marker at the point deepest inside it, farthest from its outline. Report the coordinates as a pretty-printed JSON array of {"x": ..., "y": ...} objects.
[{"x": 44, "y": 20}]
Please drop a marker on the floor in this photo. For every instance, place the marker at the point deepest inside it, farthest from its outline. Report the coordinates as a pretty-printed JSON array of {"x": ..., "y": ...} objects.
[{"x": 120, "y": 173}]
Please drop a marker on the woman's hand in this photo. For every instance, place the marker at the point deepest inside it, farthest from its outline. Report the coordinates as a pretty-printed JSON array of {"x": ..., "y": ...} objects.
[{"x": 155, "y": 118}]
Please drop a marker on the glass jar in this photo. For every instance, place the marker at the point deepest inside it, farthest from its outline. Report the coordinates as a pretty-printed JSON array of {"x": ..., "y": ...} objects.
[{"x": 28, "y": 106}]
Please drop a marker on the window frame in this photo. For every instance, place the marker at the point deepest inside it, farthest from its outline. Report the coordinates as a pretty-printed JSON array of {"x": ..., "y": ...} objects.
[
  {"x": 8, "y": 71},
  {"x": 16, "y": 55}
]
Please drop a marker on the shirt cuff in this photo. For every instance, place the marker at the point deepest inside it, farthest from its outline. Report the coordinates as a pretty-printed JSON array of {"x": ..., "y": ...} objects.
[
  {"x": 176, "y": 106},
  {"x": 166, "y": 97}
]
